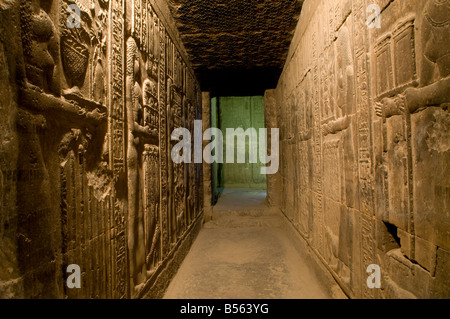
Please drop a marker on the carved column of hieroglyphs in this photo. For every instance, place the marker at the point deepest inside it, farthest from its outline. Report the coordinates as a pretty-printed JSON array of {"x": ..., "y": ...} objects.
[
  {"x": 304, "y": 140},
  {"x": 331, "y": 135},
  {"x": 163, "y": 102},
  {"x": 170, "y": 115},
  {"x": 365, "y": 158},
  {"x": 317, "y": 146}
]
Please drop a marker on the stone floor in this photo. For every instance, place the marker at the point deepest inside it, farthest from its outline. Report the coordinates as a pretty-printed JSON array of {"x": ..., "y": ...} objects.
[{"x": 243, "y": 253}]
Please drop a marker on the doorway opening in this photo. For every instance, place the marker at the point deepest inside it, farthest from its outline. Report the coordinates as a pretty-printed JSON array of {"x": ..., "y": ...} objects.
[{"x": 246, "y": 113}]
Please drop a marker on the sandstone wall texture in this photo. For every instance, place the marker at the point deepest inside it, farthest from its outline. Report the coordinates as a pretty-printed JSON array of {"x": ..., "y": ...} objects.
[
  {"x": 365, "y": 130},
  {"x": 207, "y": 169},
  {"x": 86, "y": 175}
]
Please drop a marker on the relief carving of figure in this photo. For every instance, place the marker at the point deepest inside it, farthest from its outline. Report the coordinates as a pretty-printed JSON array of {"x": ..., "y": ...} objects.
[
  {"x": 151, "y": 122},
  {"x": 345, "y": 86},
  {"x": 40, "y": 45},
  {"x": 137, "y": 134},
  {"x": 305, "y": 119},
  {"x": 150, "y": 98},
  {"x": 152, "y": 226},
  {"x": 49, "y": 127}
]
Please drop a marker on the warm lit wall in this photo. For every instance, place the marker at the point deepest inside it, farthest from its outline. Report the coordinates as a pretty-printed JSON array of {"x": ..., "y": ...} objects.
[
  {"x": 365, "y": 130},
  {"x": 85, "y": 170}
]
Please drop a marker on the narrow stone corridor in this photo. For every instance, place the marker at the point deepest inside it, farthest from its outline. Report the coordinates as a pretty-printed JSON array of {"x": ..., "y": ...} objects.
[
  {"x": 232, "y": 149},
  {"x": 243, "y": 253}
]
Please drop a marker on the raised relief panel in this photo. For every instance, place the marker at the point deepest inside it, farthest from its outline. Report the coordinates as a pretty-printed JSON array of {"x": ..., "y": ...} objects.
[
  {"x": 99, "y": 62},
  {"x": 333, "y": 186},
  {"x": 397, "y": 165},
  {"x": 396, "y": 54},
  {"x": 403, "y": 39},
  {"x": 305, "y": 116},
  {"x": 152, "y": 221},
  {"x": 333, "y": 161},
  {"x": 137, "y": 20},
  {"x": 151, "y": 109},
  {"x": 327, "y": 89},
  {"x": 135, "y": 136},
  {"x": 151, "y": 155},
  {"x": 76, "y": 51},
  {"x": 344, "y": 79},
  {"x": 143, "y": 155},
  {"x": 396, "y": 128},
  {"x": 384, "y": 74},
  {"x": 69, "y": 129}
]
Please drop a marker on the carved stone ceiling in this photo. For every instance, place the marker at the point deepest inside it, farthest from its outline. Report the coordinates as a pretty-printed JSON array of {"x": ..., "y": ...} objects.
[{"x": 237, "y": 47}]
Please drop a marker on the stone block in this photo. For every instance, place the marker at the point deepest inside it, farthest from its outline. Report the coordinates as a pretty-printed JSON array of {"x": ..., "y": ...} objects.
[
  {"x": 406, "y": 241},
  {"x": 441, "y": 285},
  {"x": 425, "y": 254},
  {"x": 407, "y": 275}
]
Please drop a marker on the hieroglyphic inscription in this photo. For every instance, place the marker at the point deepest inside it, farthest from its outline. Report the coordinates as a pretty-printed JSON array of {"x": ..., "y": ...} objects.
[{"x": 365, "y": 161}]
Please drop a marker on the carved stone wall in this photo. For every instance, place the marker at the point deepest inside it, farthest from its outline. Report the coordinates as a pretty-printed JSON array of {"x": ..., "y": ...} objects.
[
  {"x": 364, "y": 119},
  {"x": 85, "y": 171}
]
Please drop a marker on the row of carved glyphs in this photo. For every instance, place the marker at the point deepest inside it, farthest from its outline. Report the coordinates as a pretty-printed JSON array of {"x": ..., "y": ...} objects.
[
  {"x": 127, "y": 90},
  {"x": 335, "y": 97}
]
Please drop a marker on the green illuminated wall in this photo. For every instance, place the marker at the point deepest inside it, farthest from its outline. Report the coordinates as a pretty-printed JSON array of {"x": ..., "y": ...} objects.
[{"x": 245, "y": 113}]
